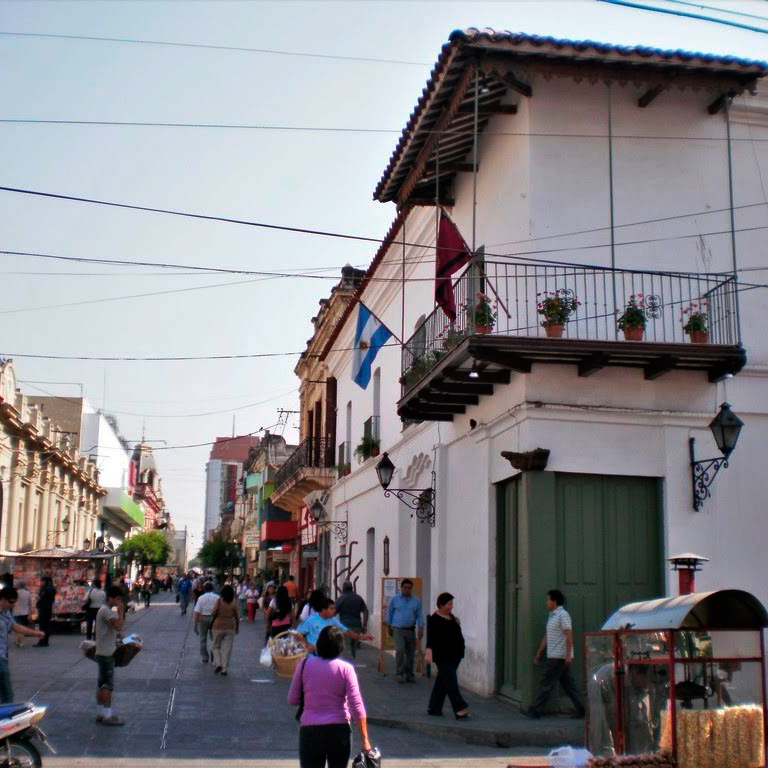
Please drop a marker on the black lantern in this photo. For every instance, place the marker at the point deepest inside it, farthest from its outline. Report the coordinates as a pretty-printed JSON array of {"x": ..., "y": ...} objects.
[
  {"x": 420, "y": 500},
  {"x": 726, "y": 428},
  {"x": 339, "y": 528},
  {"x": 65, "y": 524},
  {"x": 385, "y": 469}
]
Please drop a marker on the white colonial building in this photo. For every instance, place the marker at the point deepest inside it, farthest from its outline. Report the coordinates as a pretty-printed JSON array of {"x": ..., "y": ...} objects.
[{"x": 582, "y": 172}]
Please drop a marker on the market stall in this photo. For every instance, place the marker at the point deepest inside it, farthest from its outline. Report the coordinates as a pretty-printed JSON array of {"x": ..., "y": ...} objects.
[
  {"x": 72, "y": 572},
  {"x": 679, "y": 679}
]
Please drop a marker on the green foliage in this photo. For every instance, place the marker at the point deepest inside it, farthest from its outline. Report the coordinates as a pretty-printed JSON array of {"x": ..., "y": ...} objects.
[
  {"x": 369, "y": 446},
  {"x": 149, "y": 548},
  {"x": 213, "y": 553},
  {"x": 634, "y": 314},
  {"x": 695, "y": 318},
  {"x": 482, "y": 310}
]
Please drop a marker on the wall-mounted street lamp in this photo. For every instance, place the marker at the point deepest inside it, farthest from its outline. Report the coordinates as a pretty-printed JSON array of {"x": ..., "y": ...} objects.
[
  {"x": 339, "y": 528},
  {"x": 420, "y": 500},
  {"x": 726, "y": 428},
  {"x": 54, "y": 535}
]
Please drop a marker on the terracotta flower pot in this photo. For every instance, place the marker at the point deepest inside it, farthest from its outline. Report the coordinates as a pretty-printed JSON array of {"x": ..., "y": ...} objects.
[
  {"x": 634, "y": 334},
  {"x": 554, "y": 330},
  {"x": 483, "y": 329},
  {"x": 699, "y": 337}
]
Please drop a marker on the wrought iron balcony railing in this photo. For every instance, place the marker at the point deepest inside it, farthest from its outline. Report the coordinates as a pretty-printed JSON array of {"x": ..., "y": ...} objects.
[
  {"x": 314, "y": 452},
  {"x": 598, "y": 298}
]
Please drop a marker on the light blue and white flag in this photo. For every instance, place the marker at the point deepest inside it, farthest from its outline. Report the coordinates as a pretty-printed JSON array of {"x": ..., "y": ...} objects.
[{"x": 371, "y": 334}]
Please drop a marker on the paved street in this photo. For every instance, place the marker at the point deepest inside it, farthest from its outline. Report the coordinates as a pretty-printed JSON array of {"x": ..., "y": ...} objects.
[{"x": 178, "y": 713}]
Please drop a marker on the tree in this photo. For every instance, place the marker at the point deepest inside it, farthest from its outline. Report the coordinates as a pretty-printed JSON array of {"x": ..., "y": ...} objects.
[
  {"x": 149, "y": 548},
  {"x": 213, "y": 553}
]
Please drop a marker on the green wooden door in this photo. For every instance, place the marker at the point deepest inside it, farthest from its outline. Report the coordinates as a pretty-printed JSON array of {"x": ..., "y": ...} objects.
[{"x": 598, "y": 538}]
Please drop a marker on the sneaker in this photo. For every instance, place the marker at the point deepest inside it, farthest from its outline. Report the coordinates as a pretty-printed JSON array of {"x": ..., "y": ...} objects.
[
  {"x": 99, "y": 718},
  {"x": 114, "y": 720},
  {"x": 217, "y": 670},
  {"x": 223, "y": 672},
  {"x": 532, "y": 713},
  {"x": 205, "y": 660}
]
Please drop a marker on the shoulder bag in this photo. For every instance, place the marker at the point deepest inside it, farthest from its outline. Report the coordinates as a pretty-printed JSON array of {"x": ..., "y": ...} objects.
[{"x": 300, "y": 710}]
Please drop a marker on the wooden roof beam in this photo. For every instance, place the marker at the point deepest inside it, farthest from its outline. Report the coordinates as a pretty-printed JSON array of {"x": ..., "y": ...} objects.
[
  {"x": 415, "y": 415},
  {"x": 451, "y": 168},
  {"x": 593, "y": 363},
  {"x": 448, "y": 202},
  {"x": 499, "y": 71},
  {"x": 483, "y": 376},
  {"x": 417, "y": 168},
  {"x": 506, "y": 359},
  {"x": 650, "y": 95},
  {"x": 489, "y": 109},
  {"x": 433, "y": 396},
  {"x": 660, "y": 366}
]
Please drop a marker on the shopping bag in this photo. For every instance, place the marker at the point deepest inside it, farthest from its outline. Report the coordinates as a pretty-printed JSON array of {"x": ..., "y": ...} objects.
[
  {"x": 266, "y": 657},
  {"x": 370, "y": 759},
  {"x": 568, "y": 757}
]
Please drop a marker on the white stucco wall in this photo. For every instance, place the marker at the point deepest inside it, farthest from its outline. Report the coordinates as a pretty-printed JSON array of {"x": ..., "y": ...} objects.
[
  {"x": 614, "y": 422},
  {"x": 98, "y": 439},
  {"x": 213, "y": 472}
]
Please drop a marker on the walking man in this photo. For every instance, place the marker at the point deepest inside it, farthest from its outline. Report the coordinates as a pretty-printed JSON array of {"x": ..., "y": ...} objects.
[
  {"x": 558, "y": 643},
  {"x": 107, "y": 626},
  {"x": 8, "y": 597},
  {"x": 204, "y": 618},
  {"x": 353, "y": 614},
  {"x": 95, "y": 599},
  {"x": 45, "y": 601},
  {"x": 185, "y": 587},
  {"x": 404, "y": 620}
]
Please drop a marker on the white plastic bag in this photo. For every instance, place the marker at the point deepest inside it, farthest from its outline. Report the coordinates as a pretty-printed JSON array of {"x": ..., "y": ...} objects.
[
  {"x": 568, "y": 757},
  {"x": 266, "y": 657}
]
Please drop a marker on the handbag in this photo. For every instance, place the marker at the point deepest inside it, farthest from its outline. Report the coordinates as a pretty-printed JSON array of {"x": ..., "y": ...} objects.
[
  {"x": 370, "y": 759},
  {"x": 300, "y": 710}
]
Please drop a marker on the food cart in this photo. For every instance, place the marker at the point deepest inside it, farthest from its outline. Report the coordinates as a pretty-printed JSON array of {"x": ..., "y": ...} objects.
[
  {"x": 72, "y": 572},
  {"x": 679, "y": 681}
]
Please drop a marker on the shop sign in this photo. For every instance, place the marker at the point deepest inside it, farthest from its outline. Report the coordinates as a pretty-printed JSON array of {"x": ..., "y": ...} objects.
[
  {"x": 252, "y": 539},
  {"x": 281, "y": 557}
]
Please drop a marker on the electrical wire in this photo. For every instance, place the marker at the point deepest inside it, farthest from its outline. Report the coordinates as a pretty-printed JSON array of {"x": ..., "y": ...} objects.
[
  {"x": 345, "y": 129},
  {"x": 211, "y": 47}
]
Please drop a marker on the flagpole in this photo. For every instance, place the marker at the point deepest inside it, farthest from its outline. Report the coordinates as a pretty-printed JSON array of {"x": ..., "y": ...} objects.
[
  {"x": 402, "y": 308},
  {"x": 471, "y": 286}
]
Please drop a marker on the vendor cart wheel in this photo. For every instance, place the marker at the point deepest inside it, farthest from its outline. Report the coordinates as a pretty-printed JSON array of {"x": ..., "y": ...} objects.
[{"x": 23, "y": 754}]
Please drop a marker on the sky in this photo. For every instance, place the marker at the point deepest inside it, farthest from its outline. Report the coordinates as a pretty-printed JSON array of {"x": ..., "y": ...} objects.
[{"x": 353, "y": 69}]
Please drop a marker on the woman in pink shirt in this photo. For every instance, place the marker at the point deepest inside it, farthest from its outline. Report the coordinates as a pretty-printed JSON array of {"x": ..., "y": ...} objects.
[{"x": 327, "y": 687}]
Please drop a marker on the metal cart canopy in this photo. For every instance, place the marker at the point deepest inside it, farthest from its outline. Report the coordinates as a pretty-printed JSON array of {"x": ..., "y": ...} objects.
[{"x": 721, "y": 609}]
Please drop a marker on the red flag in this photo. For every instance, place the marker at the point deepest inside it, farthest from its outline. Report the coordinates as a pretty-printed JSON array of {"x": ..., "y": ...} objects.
[{"x": 452, "y": 254}]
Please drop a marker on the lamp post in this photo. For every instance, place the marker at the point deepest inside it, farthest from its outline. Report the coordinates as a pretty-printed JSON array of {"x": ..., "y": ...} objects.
[
  {"x": 420, "y": 500},
  {"x": 53, "y": 535},
  {"x": 726, "y": 428},
  {"x": 339, "y": 528}
]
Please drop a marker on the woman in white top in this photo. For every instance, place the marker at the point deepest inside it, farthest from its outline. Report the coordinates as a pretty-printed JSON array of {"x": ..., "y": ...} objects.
[
  {"x": 21, "y": 610},
  {"x": 314, "y": 604},
  {"x": 251, "y": 601}
]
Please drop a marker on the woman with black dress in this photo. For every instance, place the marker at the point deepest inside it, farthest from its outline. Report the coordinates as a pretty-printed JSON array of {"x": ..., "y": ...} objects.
[{"x": 445, "y": 647}]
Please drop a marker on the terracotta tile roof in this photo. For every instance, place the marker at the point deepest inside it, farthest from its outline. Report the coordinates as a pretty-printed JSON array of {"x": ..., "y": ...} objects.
[{"x": 463, "y": 45}]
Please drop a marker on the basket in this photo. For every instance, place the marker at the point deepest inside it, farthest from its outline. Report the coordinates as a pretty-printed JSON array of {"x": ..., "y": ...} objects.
[{"x": 285, "y": 666}]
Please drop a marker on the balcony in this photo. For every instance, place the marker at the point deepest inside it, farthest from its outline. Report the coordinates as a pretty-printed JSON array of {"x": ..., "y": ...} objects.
[
  {"x": 309, "y": 468},
  {"x": 449, "y": 366}
]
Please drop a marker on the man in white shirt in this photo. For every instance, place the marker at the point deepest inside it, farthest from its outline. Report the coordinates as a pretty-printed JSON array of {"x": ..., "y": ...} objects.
[
  {"x": 95, "y": 598},
  {"x": 204, "y": 618},
  {"x": 558, "y": 643}
]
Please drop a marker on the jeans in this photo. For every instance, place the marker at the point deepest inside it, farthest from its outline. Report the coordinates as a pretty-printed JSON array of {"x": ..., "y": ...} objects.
[
  {"x": 90, "y": 618},
  {"x": 318, "y": 743},
  {"x": 183, "y": 602},
  {"x": 446, "y": 684},
  {"x": 6, "y": 689},
  {"x": 405, "y": 651},
  {"x": 223, "y": 640},
  {"x": 556, "y": 670},
  {"x": 203, "y": 627},
  {"x": 354, "y": 645}
]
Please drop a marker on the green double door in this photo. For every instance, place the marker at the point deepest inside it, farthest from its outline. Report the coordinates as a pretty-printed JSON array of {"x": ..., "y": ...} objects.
[{"x": 597, "y": 538}]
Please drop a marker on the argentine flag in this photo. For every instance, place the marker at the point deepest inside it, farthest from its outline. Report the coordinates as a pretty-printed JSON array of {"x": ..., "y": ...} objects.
[{"x": 371, "y": 334}]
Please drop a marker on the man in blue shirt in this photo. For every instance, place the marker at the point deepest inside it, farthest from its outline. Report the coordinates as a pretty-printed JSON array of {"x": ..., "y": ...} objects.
[
  {"x": 184, "y": 588},
  {"x": 404, "y": 620},
  {"x": 8, "y": 597}
]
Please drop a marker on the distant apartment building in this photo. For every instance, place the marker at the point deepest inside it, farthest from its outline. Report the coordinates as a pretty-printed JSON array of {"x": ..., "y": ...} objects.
[{"x": 224, "y": 477}]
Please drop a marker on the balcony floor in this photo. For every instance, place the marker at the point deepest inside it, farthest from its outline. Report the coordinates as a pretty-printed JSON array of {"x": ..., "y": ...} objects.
[{"x": 447, "y": 389}]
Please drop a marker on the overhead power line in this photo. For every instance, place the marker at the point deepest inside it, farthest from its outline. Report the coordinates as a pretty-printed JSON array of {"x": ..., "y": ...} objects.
[
  {"x": 212, "y": 47},
  {"x": 354, "y": 129}
]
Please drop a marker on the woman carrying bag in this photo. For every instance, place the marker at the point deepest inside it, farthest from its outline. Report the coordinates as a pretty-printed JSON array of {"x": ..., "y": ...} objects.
[
  {"x": 445, "y": 647},
  {"x": 224, "y": 627},
  {"x": 326, "y": 690}
]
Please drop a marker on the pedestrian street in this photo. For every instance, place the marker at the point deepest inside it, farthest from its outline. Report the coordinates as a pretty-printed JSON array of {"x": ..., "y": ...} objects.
[{"x": 178, "y": 713}]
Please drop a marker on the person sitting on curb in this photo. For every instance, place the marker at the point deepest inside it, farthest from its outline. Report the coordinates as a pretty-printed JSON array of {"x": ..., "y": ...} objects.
[{"x": 312, "y": 627}]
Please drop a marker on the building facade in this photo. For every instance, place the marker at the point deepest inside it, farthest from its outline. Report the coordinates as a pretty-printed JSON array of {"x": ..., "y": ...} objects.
[
  {"x": 49, "y": 492},
  {"x": 607, "y": 178}
]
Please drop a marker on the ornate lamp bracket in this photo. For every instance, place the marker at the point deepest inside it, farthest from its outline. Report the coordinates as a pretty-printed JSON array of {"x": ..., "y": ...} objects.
[
  {"x": 703, "y": 474},
  {"x": 420, "y": 500},
  {"x": 339, "y": 529}
]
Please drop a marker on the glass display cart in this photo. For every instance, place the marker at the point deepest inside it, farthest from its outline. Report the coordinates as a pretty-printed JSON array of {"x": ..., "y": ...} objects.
[{"x": 679, "y": 681}]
